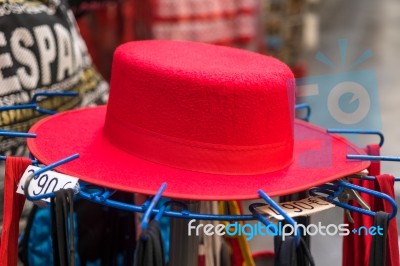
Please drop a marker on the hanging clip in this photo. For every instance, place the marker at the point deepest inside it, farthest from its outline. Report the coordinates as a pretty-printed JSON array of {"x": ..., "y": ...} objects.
[
  {"x": 334, "y": 190},
  {"x": 350, "y": 194},
  {"x": 373, "y": 193}
]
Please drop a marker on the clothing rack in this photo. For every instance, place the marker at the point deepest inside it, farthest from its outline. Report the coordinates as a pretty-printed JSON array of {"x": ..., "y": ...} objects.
[
  {"x": 190, "y": 243},
  {"x": 101, "y": 195}
]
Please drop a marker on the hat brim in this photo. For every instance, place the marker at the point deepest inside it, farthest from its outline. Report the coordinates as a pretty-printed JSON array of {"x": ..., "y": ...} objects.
[{"x": 318, "y": 158}]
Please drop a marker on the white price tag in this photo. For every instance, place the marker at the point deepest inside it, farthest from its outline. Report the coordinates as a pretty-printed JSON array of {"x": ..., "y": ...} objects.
[
  {"x": 304, "y": 207},
  {"x": 47, "y": 182}
]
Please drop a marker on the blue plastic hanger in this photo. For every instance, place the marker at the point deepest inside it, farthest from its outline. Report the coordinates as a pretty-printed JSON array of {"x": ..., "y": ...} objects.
[
  {"x": 10, "y": 133},
  {"x": 151, "y": 206},
  {"x": 33, "y": 104},
  {"x": 359, "y": 131},
  {"x": 53, "y": 94},
  {"x": 27, "y": 106},
  {"x": 304, "y": 106},
  {"x": 42, "y": 170},
  {"x": 332, "y": 191},
  {"x": 274, "y": 205}
]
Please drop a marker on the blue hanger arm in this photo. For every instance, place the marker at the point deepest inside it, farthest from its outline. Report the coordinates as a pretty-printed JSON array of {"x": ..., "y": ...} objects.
[
  {"x": 281, "y": 212},
  {"x": 372, "y": 178},
  {"x": 305, "y": 106},
  {"x": 373, "y": 193},
  {"x": 342, "y": 184},
  {"x": 42, "y": 170},
  {"x": 373, "y": 158},
  {"x": 9, "y": 133},
  {"x": 359, "y": 131},
  {"x": 53, "y": 94},
  {"x": 152, "y": 205}
]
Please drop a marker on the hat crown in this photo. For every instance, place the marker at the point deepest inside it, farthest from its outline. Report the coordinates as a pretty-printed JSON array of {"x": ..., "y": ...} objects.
[{"x": 201, "y": 107}]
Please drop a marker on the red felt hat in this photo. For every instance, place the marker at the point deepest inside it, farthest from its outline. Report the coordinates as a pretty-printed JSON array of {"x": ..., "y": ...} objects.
[{"x": 215, "y": 123}]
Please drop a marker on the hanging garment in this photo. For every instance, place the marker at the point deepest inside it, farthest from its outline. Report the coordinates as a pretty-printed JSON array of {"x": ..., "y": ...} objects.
[
  {"x": 12, "y": 210},
  {"x": 239, "y": 251},
  {"x": 356, "y": 247},
  {"x": 287, "y": 253},
  {"x": 62, "y": 228},
  {"x": 202, "y": 257},
  {"x": 210, "y": 246},
  {"x": 226, "y": 22},
  {"x": 302, "y": 220},
  {"x": 236, "y": 258},
  {"x": 35, "y": 245},
  {"x": 149, "y": 251},
  {"x": 225, "y": 254},
  {"x": 105, "y": 234},
  {"x": 378, "y": 247}
]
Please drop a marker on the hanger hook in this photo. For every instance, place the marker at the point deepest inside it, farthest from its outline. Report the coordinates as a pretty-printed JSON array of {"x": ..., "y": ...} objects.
[
  {"x": 340, "y": 186},
  {"x": 373, "y": 193},
  {"x": 152, "y": 205},
  {"x": 274, "y": 205}
]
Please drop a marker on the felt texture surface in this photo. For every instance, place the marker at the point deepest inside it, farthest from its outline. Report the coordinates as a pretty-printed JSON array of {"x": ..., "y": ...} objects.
[
  {"x": 80, "y": 131},
  {"x": 211, "y": 121},
  {"x": 196, "y": 91},
  {"x": 201, "y": 107}
]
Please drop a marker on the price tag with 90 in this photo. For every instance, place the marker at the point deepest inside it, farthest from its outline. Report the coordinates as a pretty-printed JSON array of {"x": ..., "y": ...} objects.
[
  {"x": 47, "y": 182},
  {"x": 304, "y": 207}
]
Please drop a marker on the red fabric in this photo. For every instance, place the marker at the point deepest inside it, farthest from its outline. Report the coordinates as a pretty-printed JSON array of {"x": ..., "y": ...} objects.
[
  {"x": 385, "y": 184},
  {"x": 201, "y": 260},
  {"x": 356, "y": 247},
  {"x": 179, "y": 113},
  {"x": 225, "y": 22},
  {"x": 190, "y": 90},
  {"x": 264, "y": 257},
  {"x": 12, "y": 210},
  {"x": 236, "y": 255}
]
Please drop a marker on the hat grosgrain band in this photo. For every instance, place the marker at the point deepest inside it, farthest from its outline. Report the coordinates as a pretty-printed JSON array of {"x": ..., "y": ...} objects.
[
  {"x": 214, "y": 123},
  {"x": 195, "y": 155}
]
